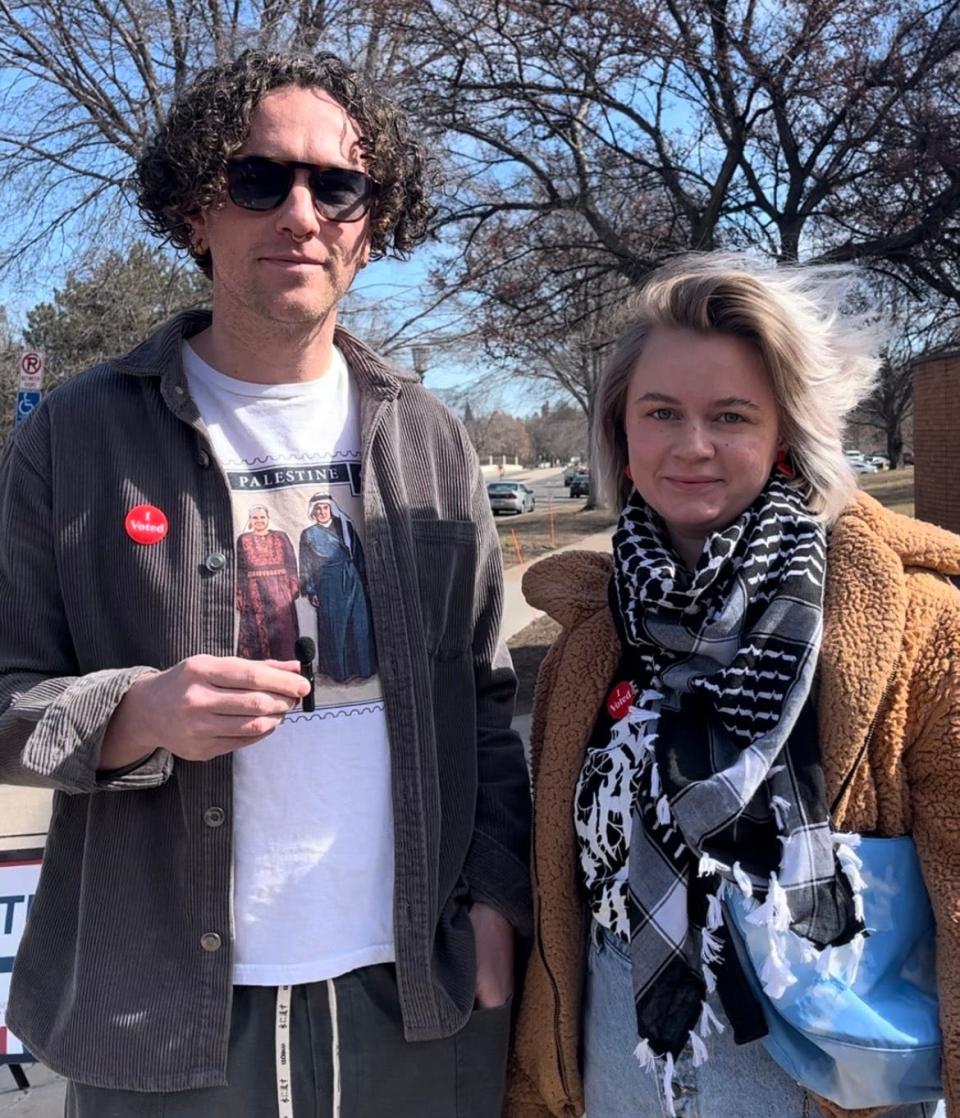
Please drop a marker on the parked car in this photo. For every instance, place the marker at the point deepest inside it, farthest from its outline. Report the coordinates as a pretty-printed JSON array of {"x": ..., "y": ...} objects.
[
  {"x": 859, "y": 463},
  {"x": 570, "y": 471},
  {"x": 510, "y": 496},
  {"x": 580, "y": 485},
  {"x": 881, "y": 461}
]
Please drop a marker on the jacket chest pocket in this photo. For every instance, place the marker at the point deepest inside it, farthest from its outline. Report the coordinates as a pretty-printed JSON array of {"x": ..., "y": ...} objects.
[{"x": 446, "y": 557}]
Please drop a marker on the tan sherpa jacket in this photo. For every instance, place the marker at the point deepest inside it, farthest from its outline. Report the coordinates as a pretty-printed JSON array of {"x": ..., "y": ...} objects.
[{"x": 889, "y": 672}]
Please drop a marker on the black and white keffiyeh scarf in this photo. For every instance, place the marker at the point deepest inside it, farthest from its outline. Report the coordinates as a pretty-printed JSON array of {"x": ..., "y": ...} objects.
[{"x": 730, "y": 790}]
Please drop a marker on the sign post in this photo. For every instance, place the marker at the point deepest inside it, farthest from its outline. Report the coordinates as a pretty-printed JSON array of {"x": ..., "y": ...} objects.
[{"x": 30, "y": 387}]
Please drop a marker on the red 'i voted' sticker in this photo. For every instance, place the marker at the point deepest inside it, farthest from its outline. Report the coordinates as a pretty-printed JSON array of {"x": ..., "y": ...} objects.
[
  {"x": 620, "y": 700},
  {"x": 146, "y": 524}
]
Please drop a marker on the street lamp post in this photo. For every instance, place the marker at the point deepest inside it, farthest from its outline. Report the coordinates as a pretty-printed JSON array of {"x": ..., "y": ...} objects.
[{"x": 420, "y": 360}]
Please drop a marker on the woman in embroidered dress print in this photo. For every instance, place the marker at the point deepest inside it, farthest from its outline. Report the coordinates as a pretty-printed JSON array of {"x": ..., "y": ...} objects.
[
  {"x": 332, "y": 575},
  {"x": 768, "y": 667},
  {"x": 267, "y": 587}
]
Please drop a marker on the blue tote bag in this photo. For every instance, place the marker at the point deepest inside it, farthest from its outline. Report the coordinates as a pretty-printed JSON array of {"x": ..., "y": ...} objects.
[{"x": 873, "y": 1041}]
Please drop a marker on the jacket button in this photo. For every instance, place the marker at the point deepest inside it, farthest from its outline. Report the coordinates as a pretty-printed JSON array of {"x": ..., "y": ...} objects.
[
  {"x": 215, "y": 561},
  {"x": 203, "y": 460},
  {"x": 214, "y": 816},
  {"x": 210, "y": 941}
]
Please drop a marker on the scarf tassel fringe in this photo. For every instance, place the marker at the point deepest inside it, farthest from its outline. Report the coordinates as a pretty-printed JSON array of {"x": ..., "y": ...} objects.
[
  {"x": 744, "y": 884},
  {"x": 649, "y": 1061},
  {"x": 776, "y": 975}
]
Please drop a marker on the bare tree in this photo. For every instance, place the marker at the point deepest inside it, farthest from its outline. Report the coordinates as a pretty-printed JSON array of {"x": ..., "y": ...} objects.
[
  {"x": 499, "y": 434},
  {"x": 616, "y": 132},
  {"x": 888, "y": 408},
  {"x": 10, "y": 347},
  {"x": 85, "y": 83},
  {"x": 417, "y": 329},
  {"x": 558, "y": 432},
  {"x": 911, "y": 327},
  {"x": 552, "y": 332},
  {"x": 586, "y": 141}
]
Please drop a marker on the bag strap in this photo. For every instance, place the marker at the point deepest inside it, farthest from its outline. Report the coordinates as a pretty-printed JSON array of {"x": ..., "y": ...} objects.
[{"x": 852, "y": 771}]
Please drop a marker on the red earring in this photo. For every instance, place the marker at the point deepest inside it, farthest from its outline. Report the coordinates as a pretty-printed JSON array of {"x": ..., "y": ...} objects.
[
  {"x": 629, "y": 473},
  {"x": 784, "y": 464}
]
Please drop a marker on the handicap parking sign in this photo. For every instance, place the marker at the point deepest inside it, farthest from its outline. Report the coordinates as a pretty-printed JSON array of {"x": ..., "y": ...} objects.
[{"x": 26, "y": 402}]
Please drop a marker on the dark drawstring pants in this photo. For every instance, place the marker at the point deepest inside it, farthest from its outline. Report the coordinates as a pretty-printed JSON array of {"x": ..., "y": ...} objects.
[{"x": 381, "y": 1075}]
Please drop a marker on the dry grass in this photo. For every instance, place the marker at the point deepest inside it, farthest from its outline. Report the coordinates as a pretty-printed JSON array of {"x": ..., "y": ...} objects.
[
  {"x": 528, "y": 648},
  {"x": 893, "y": 488},
  {"x": 532, "y": 534}
]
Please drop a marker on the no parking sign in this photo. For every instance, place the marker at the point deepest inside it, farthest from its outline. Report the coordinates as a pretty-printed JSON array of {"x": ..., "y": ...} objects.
[
  {"x": 30, "y": 367},
  {"x": 31, "y": 370}
]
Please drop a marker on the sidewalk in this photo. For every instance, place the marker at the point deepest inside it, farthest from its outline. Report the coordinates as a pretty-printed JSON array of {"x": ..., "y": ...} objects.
[
  {"x": 44, "y": 1099},
  {"x": 517, "y": 614}
]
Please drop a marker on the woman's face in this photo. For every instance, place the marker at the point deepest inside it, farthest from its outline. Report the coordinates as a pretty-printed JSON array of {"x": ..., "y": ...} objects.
[
  {"x": 259, "y": 521},
  {"x": 702, "y": 431},
  {"x": 321, "y": 513}
]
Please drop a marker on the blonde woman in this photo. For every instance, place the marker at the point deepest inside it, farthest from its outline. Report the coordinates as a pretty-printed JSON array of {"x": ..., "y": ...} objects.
[{"x": 759, "y": 626}]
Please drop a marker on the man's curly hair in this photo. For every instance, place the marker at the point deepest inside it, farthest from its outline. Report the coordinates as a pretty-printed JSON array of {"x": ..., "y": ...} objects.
[{"x": 182, "y": 167}]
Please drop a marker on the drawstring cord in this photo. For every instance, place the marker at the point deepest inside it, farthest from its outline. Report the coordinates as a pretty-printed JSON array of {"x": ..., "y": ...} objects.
[{"x": 284, "y": 1051}]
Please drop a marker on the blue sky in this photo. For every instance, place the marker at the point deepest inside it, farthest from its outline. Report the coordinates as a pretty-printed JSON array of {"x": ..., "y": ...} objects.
[{"x": 399, "y": 287}]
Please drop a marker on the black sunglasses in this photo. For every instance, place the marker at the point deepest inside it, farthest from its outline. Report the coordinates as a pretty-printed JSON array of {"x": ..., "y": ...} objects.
[{"x": 339, "y": 194}]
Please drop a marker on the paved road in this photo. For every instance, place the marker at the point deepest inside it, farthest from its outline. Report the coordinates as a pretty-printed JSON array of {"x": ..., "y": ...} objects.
[
  {"x": 544, "y": 483},
  {"x": 44, "y": 1099}
]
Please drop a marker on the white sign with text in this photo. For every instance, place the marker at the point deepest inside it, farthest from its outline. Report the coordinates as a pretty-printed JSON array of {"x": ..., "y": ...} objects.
[
  {"x": 31, "y": 370},
  {"x": 18, "y": 884}
]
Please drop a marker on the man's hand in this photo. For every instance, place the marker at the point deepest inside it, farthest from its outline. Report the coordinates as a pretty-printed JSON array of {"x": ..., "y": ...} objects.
[
  {"x": 493, "y": 934},
  {"x": 202, "y": 707}
]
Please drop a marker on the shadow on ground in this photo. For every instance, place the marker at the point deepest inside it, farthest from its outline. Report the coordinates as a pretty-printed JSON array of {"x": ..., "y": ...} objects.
[{"x": 528, "y": 649}]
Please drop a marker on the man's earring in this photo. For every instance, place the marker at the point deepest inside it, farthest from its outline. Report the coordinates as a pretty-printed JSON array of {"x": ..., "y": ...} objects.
[{"x": 783, "y": 464}]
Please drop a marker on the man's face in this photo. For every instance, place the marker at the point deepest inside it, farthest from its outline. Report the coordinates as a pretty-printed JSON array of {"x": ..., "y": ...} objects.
[{"x": 287, "y": 265}]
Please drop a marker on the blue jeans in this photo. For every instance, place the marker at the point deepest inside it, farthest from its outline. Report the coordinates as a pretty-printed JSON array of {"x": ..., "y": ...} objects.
[{"x": 737, "y": 1081}]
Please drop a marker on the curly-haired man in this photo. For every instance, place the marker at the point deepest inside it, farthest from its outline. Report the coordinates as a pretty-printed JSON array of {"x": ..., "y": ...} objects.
[{"x": 267, "y": 890}]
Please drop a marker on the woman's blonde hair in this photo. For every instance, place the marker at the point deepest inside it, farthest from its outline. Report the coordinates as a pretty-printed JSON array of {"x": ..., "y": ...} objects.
[{"x": 820, "y": 364}]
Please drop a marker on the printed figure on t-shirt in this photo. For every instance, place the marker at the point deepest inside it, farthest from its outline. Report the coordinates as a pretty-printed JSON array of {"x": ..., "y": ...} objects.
[
  {"x": 332, "y": 579},
  {"x": 267, "y": 587}
]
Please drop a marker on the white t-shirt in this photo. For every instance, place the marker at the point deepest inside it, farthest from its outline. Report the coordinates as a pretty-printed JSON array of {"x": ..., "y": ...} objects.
[{"x": 313, "y": 815}]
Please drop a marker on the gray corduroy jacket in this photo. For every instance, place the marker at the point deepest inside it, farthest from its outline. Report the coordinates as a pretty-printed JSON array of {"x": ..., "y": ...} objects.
[{"x": 119, "y": 982}]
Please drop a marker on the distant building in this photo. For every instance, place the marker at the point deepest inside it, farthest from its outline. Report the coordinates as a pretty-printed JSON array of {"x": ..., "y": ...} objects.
[{"x": 936, "y": 437}]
